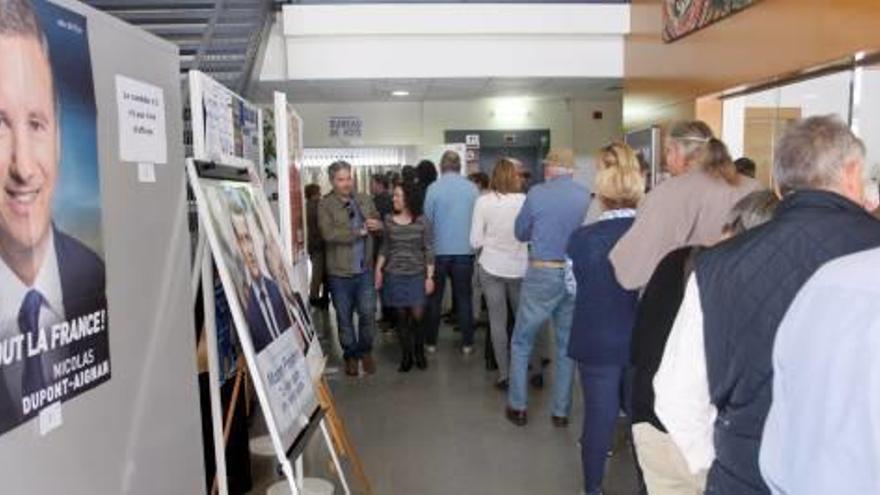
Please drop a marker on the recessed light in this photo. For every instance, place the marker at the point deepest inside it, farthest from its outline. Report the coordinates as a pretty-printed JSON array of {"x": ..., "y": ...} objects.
[{"x": 400, "y": 93}]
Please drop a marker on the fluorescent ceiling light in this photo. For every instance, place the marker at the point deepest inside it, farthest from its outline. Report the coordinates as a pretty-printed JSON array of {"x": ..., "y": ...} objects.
[{"x": 400, "y": 92}]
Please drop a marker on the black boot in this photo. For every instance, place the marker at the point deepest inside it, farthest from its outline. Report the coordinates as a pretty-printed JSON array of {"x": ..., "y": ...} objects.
[
  {"x": 406, "y": 351},
  {"x": 421, "y": 360},
  {"x": 406, "y": 363}
]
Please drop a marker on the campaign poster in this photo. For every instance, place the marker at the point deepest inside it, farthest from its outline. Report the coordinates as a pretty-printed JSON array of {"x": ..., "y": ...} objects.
[
  {"x": 53, "y": 308},
  {"x": 266, "y": 312},
  {"x": 227, "y": 354},
  {"x": 297, "y": 203},
  {"x": 231, "y": 126}
]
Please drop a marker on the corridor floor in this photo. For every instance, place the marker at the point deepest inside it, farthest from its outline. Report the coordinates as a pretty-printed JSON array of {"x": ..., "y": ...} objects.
[{"x": 442, "y": 431}]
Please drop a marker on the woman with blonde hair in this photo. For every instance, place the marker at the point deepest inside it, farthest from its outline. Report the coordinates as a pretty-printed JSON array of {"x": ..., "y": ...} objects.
[
  {"x": 603, "y": 316},
  {"x": 503, "y": 260},
  {"x": 690, "y": 208},
  {"x": 611, "y": 156}
]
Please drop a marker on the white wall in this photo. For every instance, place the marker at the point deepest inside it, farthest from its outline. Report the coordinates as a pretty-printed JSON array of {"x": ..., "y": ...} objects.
[
  {"x": 423, "y": 124},
  {"x": 447, "y": 41}
]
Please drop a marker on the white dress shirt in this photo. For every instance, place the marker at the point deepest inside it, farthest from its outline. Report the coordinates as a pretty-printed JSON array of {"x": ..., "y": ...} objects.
[
  {"x": 12, "y": 294},
  {"x": 681, "y": 385},
  {"x": 492, "y": 231},
  {"x": 822, "y": 435}
]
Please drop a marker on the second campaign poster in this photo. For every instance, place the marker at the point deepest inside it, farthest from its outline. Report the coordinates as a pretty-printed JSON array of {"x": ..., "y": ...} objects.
[
  {"x": 53, "y": 304},
  {"x": 269, "y": 314}
]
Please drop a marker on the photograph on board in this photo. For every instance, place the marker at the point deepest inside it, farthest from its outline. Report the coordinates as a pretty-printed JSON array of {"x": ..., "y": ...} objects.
[
  {"x": 258, "y": 282},
  {"x": 53, "y": 304}
]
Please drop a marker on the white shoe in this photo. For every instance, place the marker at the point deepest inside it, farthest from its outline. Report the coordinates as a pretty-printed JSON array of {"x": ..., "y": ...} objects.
[
  {"x": 431, "y": 349},
  {"x": 467, "y": 350}
]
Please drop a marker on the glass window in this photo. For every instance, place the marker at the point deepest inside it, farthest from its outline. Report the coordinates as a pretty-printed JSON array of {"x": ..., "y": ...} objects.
[
  {"x": 752, "y": 123},
  {"x": 866, "y": 124}
]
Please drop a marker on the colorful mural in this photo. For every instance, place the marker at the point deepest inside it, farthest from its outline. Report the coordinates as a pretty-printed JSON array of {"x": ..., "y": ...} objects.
[{"x": 682, "y": 17}]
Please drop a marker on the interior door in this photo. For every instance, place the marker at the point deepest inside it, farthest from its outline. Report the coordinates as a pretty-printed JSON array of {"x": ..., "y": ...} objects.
[{"x": 763, "y": 127}]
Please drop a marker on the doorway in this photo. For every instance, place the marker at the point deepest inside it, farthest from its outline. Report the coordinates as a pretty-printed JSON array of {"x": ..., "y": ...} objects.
[
  {"x": 487, "y": 146},
  {"x": 763, "y": 126}
]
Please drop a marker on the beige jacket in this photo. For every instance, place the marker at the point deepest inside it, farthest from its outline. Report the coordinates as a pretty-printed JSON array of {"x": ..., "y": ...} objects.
[{"x": 688, "y": 210}]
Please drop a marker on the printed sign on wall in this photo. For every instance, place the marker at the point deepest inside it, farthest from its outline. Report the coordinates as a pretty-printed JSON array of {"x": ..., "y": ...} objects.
[
  {"x": 141, "y": 121},
  {"x": 346, "y": 127}
]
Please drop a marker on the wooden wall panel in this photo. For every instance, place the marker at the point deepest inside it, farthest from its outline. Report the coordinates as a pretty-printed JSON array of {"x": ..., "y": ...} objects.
[{"x": 772, "y": 38}]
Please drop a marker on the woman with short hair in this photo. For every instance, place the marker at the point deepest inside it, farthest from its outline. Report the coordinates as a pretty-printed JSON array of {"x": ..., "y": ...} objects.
[
  {"x": 611, "y": 156},
  {"x": 603, "y": 316}
]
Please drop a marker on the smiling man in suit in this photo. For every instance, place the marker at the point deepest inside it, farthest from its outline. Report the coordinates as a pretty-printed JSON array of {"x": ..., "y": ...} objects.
[
  {"x": 264, "y": 311},
  {"x": 46, "y": 276}
]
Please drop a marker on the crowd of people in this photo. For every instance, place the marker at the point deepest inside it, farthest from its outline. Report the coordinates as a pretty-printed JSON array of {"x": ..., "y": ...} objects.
[{"x": 712, "y": 311}]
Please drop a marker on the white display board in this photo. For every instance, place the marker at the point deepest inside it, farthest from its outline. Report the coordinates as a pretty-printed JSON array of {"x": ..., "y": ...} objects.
[
  {"x": 268, "y": 315},
  {"x": 292, "y": 214},
  {"x": 226, "y": 128}
]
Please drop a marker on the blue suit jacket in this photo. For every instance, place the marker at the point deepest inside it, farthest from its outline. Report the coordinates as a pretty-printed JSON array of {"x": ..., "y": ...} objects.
[
  {"x": 259, "y": 328},
  {"x": 83, "y": 289}
]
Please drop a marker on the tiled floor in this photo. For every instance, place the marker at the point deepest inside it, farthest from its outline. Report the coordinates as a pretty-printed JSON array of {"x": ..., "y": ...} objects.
[{"x": 442, "y": 432}]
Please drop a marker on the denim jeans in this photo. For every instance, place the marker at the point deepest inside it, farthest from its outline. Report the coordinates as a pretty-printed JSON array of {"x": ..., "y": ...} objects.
[
  {"x": 543, "y": 296},
  {"x": 602, "y": 389},
  {"x": 352, "y": 294},
  {"x": 460, "y": 268}
]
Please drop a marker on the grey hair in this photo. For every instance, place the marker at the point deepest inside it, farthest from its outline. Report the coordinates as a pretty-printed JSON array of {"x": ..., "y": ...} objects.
[
  {"x": 753, "y": 210},
  {"x": 336, "y": 167},
  {"x": 450, "y": 162},
  {"x": 812, "y": 152},
  {"x": 693, "y": 138}
]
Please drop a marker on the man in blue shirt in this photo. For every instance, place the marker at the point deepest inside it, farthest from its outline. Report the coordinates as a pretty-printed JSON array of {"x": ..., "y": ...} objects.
[
  {"x": 449, "y": 206},
  {"x": 552, "y": 211}
]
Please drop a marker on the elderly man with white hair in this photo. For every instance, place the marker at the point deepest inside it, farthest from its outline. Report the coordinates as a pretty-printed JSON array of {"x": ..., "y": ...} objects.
[{"x": 717, "y": 365}]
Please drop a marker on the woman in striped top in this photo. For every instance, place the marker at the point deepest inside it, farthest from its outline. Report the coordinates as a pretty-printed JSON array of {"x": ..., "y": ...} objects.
[{"x": 405, "y": 272}]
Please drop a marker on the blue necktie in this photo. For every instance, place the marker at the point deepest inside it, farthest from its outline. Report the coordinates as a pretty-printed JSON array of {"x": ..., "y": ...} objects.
[{"x": 32, "y": 379}]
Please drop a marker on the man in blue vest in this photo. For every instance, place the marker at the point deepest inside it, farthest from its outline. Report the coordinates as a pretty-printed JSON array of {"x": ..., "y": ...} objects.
[{"x": 740, "y": 292}]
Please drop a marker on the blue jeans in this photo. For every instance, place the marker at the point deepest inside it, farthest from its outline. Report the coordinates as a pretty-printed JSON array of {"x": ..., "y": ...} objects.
[
  {"x": 602, "y": 389},
  {"x": 350, "y": 294},
  {"x": 460, "y": 268},
  {"x": 543, "y": 296}
]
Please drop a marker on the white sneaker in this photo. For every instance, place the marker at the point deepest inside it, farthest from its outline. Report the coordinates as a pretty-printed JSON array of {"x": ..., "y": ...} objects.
[
  {"x": 430, "y": 349},
  {"x": 467, "y": 350}
]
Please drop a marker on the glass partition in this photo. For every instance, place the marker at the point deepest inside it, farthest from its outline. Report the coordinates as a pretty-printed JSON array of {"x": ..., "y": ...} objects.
[{"x": 752, "y": 123}]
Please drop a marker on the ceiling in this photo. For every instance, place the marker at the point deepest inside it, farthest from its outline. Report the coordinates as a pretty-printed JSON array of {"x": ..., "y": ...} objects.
[
  {"x": 331, "y": 91},
  {"x": 219, "y": 37}
]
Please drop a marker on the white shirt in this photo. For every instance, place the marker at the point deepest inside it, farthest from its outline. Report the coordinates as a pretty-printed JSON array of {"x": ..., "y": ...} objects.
[
  {"x": 681, "y": 385},
  {"x": 823, "y": 431},
  {"x": 12, "y": 294},
  {"x": 492, "y": 231}
]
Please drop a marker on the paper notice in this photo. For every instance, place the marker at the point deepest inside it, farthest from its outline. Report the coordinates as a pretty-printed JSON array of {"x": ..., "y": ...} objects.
[
  {"x": 50, "y": 418},
  {"x": 146, "y": 172},
  {"x": 141, "y": 121}
]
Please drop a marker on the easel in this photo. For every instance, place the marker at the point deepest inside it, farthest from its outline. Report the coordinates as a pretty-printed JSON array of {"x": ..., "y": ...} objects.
[{"x": 204, "y": 267}]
